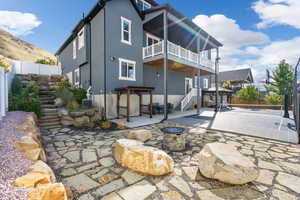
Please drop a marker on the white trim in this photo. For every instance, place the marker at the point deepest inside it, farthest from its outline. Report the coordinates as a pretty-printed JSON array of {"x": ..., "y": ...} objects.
[
  {"x": 81, "y": 39},
  {"x": 74, "y": 49},
  {"x": 123, "y": 19},
  {"x": 148, "y": 35},
  {"x": 144, "y": 3},
  {"x": 76, "y": 83},
  {"x": 120, "y": 69}
]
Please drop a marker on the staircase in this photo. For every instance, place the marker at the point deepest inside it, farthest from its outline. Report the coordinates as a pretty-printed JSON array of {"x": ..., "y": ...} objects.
[
  {"x": 186, "y": 102},
  {"x": 49, "y": 118}
]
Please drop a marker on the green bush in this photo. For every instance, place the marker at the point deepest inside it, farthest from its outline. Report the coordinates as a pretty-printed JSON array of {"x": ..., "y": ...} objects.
[
  {"x": 79, "y": 94},
  {"x": 73, "y": 105},
  {"x": 45, "y": 61},
  {"x": 273, "y": 99},
  {"x": 25, "y": 98},
  {"x": 250, "y": 93},
  {"x": 65, "y": 94}
]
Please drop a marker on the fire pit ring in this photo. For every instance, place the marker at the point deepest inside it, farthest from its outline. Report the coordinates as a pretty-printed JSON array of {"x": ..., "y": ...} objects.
[{"x": 174, "y": 138}]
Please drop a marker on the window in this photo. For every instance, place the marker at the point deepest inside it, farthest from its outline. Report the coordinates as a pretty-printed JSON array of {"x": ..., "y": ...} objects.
[
  {"x": 151, "y": 39},
  {"x": 76, "y": 77},
  {"x": 81, "y": 39},
  {"x": 205, "y": 84},
  {"x": 126, "y": 30},
  {"x": 126, "y": 70},
  {"x": 74, "y": 49},
  {"x": 143, "y": 5}
]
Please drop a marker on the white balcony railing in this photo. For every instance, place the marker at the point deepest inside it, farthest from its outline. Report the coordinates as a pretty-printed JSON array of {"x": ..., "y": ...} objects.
[{"x": 178, "y": 51}]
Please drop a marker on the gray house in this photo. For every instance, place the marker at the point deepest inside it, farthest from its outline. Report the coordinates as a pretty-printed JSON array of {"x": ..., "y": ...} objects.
[{"x": 142, "y": 44}]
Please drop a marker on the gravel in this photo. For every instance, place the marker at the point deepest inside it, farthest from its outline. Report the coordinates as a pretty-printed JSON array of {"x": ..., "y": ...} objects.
[{"x": 12, "y": 163}]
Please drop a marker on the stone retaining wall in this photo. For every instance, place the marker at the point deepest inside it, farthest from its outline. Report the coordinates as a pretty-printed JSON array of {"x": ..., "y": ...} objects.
[{"x": 41, "y": 180}]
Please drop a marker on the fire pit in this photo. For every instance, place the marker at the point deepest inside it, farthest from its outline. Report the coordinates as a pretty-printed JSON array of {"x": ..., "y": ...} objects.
[{"x": 174, "y": 139}]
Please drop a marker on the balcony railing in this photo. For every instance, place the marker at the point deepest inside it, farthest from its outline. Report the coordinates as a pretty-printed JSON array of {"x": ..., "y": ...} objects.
[{"x": 177, "y": 51}]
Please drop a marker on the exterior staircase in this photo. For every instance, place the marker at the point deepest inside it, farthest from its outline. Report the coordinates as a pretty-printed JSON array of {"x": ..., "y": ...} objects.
[
  {"x": 49, "y": 118},
  {"x": 188, "y": 100}
]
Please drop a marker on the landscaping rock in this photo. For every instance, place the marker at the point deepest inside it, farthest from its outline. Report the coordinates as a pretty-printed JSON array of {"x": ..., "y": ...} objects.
[
  {"x": 141, "y": 135},
  {"x": 77, "y": 114},
  {"x": 32, "y": 180},
  {"x": 148, "y": 160},
  {"x": 58, "y": 102},
  {"x": 67, "y": 121},
  {"x": 41, "y": 166},
  {"x": 90, "y": 112},
  {"x": 55, "y": 191},
  {"x": 62, "y": 112},
  {"x": 224, "y": 163},
  {"x": 80, "y": 121}
]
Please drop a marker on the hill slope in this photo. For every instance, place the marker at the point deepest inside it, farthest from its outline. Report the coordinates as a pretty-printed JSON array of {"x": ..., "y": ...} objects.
[{"x": 16, "y": 49}]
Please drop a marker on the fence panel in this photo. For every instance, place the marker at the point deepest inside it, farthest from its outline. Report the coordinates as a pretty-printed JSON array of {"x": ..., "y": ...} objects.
[
  {"x": 35, "y": 68},
  {"x": 2, "y": 93}
]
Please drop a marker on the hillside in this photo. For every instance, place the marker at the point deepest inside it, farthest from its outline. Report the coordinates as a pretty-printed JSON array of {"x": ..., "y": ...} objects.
[{"x": 16, "y": 49}]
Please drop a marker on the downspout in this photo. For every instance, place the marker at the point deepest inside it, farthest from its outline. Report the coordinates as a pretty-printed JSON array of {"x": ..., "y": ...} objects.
[
  {"x": 90, "y": 52},
  {"x": 104, "y": 35}
]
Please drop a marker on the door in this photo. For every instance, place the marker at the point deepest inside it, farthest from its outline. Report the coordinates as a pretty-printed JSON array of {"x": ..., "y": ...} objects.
[{"x": 188, "y": 85}]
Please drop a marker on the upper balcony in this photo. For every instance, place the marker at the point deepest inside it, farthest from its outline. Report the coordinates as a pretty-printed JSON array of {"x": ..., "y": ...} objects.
[
  {"x": 189, "y": 48},
  {"x": 179, "y": 54}
]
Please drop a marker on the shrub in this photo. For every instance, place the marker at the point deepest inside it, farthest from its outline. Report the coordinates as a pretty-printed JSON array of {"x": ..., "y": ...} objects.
[
  {"x": 25, "y": 98},
  {"x": 4, "y": 65},
  {"x": 250, "y": 93},
  {"x": 65, "y": 94},
  {"x": 73, "y": 105},
  {"x": 79, "y": 94},
  {"x": 45, "y": 61},
  {"x": 273, "y": 99}
]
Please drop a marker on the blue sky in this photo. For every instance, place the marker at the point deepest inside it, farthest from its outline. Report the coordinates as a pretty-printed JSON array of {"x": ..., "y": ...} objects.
[{"x": 255, "y": 33}]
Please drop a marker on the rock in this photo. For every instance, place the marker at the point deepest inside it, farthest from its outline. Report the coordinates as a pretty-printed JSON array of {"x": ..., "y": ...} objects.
[
  {"x": 58, "y": 102},
  {"x": 224, "y": 163},
  {"x": 28, "y": 126},
  {"x": 66, "y": 122},
  {"x": 31, "y": 148},
  {"x": 148, "y": 160},
  {"x": 32, "y": 180},
  {"x": 55, "y": 191},
  {"x": 80, "y": 121},
  {"x": 81, "y": 183},
  {"x": 141, "y": 135},
  {"x": 290, "y": 181},
  {"x": 77, "y": 114},
  {"x": 90, "y": 112},
  {"x": 131, "y": 177},
  {"x": 27, "y": 143},
  {"x": 181, "y": 185},
  {"x": 40, "y": 166},
  {"x": 138, "y": 191},
  {"x": 62, "y": 112}
]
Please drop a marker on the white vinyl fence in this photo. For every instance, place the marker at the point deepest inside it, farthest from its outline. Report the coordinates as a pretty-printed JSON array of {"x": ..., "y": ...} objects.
[
  {"x": 3, "y": 92},
  {"x": 34, "y": 68}
]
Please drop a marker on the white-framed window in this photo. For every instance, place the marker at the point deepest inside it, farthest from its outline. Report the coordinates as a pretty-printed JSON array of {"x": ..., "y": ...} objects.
[
  {"x": 126, "y": 70},
  {"x": 151, "y": 39},
  {"x": 74, "y": 48},
  {"x": 205, "y": 83},
  {"x": 125, "y": 31},
  {"x": 81, "y": 39},
  {"x": 76, "y": 77},
  {"x": 143, "y": 5}
]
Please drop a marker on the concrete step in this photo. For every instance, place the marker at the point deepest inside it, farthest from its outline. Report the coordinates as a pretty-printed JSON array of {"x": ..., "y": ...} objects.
[
  {"x": 49, "y": 117},
  {"x": 49, "y": 110},
  {"x": 47, "y": 102},
  {"x": 48, "y": 106},
  {"x": 46, "y": 121},
  {"x": 55, "y": 123},
  {"x": 50, "y": 127}
]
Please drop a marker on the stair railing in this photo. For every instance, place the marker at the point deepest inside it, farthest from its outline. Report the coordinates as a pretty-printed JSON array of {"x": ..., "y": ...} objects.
[{"x": 187, "y": 99}]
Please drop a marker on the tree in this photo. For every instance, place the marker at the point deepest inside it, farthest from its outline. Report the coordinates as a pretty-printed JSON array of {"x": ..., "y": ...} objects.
[
  {"x": 273, "y": 99},
  {"x": 281, "y": 83},
  {"x": 250, "y": 93}
]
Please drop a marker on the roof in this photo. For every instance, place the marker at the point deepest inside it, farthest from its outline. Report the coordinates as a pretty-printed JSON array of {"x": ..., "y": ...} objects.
[
  {"x": 184, "y": 19},
  {"x": 236, "y": 75},
  {"x": 94, "y": 11}
]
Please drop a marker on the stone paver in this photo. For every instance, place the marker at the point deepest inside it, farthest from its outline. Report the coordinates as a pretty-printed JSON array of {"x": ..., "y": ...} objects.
[{"x": 84, "y": 161}]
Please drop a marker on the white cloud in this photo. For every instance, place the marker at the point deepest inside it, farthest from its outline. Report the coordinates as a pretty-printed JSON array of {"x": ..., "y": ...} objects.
[
  {"x": 18, "y": 23},
  {"x": 229, "y": 33},
  {"x": 273, "y": 53},
  {"x": 278, "y": 12}
]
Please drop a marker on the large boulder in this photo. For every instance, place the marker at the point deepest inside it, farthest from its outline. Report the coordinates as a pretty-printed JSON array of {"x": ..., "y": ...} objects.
[
  {"x": 80, "y": 121},
  {"x": 224, "y": 163},
  {"x": 62, "y": 112},
  {"x": 67, "y": 121},
  {"x": 41, "y": 166},
  {"x": 148, "y": 160},
  {"x": 58, "y": 102},
  {"x": 77, "y": 113},
  {"x": 54, "y": 191},
  {"x": 32, "y": 180},
  {"x": 141, "y": 135}
]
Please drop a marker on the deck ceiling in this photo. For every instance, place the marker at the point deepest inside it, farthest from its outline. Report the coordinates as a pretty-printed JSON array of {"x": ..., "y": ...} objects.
[{"x": 177, "y": 67}]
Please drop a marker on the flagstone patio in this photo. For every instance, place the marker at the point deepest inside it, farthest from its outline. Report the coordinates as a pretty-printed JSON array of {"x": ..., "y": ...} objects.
[{"x": 83, "y": 160}]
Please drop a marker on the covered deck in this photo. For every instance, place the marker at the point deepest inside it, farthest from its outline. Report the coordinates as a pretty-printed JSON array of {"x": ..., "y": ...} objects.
[{"x": 129, "y": 90}]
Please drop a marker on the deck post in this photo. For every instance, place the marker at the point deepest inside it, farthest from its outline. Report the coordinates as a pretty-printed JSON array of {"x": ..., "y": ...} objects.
[
  {"x": 118, "y": 105},
  {"x": 128, "y": 105},
  {"x": 216, "y": 79},
  {"x": 165, "y": 64},
  {"x": 198, "y": 77},
  {"x": 151, "y": 104}
]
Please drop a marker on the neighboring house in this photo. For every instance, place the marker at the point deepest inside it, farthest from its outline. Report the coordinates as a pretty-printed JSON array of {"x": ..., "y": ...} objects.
[
  {"x": 123, "y": 43},
  {"x": 237, "y": 79}
]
